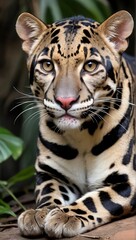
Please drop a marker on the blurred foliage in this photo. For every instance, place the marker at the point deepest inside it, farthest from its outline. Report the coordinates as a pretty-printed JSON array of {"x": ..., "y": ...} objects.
[
  {"x": 9, "y": 145},
  {"x": 7, "y": 188},
  {"x": 58, "y": 9},
  {"x": 5, "y": 209}
]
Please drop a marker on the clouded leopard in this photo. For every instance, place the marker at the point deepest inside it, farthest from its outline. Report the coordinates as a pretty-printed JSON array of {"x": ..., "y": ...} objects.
[{"x": 84, "y": 87}]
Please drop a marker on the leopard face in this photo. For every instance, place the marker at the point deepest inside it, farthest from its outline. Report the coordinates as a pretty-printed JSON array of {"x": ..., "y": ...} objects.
[{"x": 76, "y": 79}]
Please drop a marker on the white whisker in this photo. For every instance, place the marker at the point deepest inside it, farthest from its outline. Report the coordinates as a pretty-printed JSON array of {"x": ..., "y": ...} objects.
[
  {"x": 34, "y": 116},
  {"x": 22, "y": 104},
  {"x": 26, "y": 110},
  {"x": 114, "y": 118},
  {"x": 26, "y": 95},
  {"x": 113, "y": 101},
  {"x": 98, "y": 115}
]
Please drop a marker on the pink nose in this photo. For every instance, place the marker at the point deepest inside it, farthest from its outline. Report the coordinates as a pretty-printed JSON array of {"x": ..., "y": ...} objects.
[{"x": 65, "y": 102}]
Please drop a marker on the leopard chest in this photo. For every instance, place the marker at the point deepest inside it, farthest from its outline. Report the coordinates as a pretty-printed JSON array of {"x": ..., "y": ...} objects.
[{"x": 87, "y": 170}]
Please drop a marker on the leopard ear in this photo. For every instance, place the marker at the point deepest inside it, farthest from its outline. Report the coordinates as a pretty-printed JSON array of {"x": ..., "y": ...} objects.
[
  {"x": 116, "y": 29},
  {"x": 29, "y": 28}
]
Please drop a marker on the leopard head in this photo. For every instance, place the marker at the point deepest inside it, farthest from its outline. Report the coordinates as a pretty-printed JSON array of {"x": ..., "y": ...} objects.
[{"x": 74, "y": 64}]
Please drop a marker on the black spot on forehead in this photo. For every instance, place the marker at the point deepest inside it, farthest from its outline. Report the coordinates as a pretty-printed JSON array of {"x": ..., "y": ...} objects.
[
  {"x": 87, "y": 33},
  {"x": 71, "y": 29},
  {"x": 55, "y": 33},
  {"x": 85, "y": 40}
]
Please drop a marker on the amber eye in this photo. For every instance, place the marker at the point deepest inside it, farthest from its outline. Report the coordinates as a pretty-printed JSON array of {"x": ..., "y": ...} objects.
[
  {"x": 90, "y": 66},
  {"x": 47, "y": 65}
]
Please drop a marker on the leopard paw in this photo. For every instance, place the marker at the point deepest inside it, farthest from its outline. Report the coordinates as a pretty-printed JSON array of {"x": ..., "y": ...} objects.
[
  {"x": 31, "y": 222},
  {"x": 59, "y": 224}
]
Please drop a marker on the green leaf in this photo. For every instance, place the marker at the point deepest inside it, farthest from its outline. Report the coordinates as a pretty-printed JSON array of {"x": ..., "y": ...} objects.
[
  {"x": 52, "y": 10},
  {"x": 94, "y": 7},
  {"x": 3, "y": 182},
  {"x": 5, "y": 152},
  {"x": 4, "y": 204},
  {"x": 21, "y": 176},
  {"x": 53, "y": 6},
  {"x": 5, "y": 209},
  {"x": 10, "y": 145}
]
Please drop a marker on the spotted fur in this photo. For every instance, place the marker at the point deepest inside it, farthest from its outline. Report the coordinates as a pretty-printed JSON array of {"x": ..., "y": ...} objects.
[{"x": 86, "y": 161}]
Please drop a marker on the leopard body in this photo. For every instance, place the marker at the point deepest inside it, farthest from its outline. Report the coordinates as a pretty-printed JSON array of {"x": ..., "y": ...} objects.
[{"x": 84, "y": 87}]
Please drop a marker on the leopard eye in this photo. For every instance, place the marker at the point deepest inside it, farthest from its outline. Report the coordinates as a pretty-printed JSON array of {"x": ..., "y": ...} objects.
[
  {"x": 90, "y": 66},
  {"x": 47, "y": 65}
]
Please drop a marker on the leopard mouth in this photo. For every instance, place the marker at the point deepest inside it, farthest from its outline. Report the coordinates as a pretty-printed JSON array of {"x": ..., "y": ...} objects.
[
  {"x": 68, "y": 116},
  {"x": 76, "y": 111}
]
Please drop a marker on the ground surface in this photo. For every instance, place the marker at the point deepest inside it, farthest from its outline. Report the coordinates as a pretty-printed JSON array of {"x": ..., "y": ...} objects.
[
  {"x": 124, "y": 229},
  {"x": 120, "y": 230}
]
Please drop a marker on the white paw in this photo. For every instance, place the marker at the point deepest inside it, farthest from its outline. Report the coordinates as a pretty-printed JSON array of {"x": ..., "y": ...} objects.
[
  {"x": 59, "y": 224},
  {"x": 31, "y": 222}
]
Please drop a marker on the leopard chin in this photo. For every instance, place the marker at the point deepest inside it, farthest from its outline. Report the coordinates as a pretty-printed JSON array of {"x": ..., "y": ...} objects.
[{"x": 67, "y": 122}]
